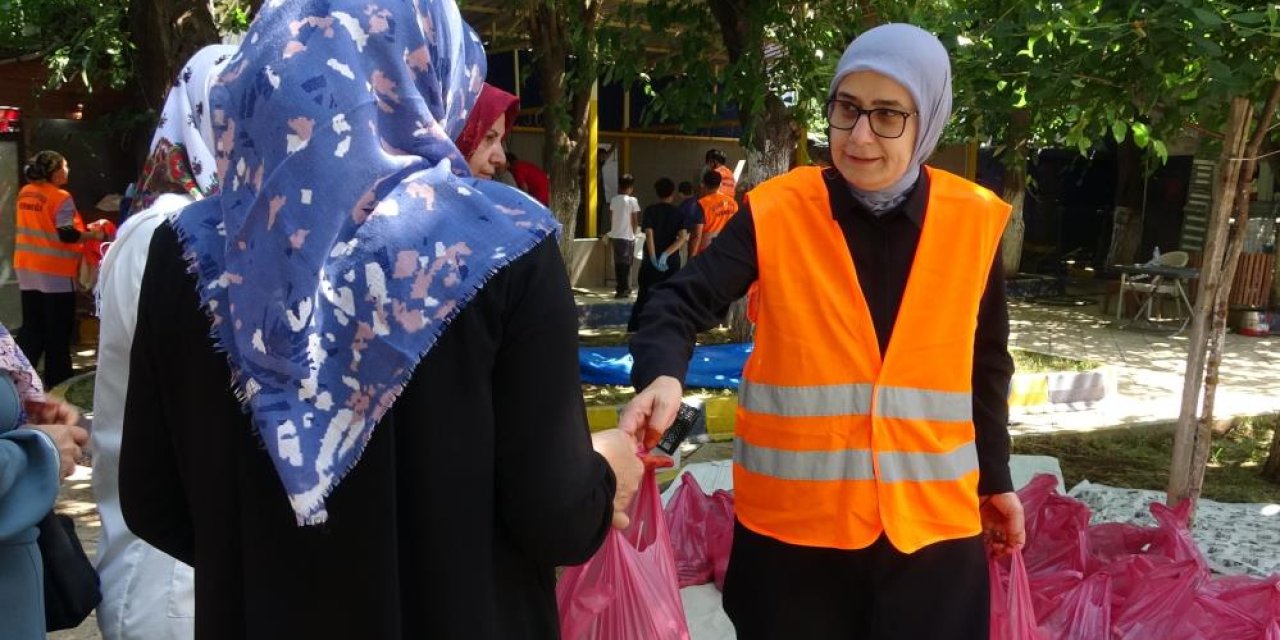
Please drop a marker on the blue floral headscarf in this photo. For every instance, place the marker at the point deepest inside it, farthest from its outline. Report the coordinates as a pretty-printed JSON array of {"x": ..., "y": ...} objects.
[{"x": 348, "y": 232}]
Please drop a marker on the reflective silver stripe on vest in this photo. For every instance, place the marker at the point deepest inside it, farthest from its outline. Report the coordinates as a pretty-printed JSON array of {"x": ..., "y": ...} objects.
[
  {"x": 37, "y": 233},
  {"x": 855, "y": 464},
  {"x": 920, "y": 404},
  {"x": 898, "y": 466},
  {"x": 805, "y": 402},
  {"x": 785, "y": 464},
  {"x": 855, "y": 399},
  {"x": 48, "y": 251}
]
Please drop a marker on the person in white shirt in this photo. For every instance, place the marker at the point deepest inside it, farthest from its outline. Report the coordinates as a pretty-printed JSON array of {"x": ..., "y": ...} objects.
[
  {"x": 622, "y": 233},
  {"x": 146, "y": 594}
]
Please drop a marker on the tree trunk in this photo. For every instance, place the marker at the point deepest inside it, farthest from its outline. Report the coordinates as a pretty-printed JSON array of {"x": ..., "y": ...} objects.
[
  {"x": 566, "y": 70},
  {"x": 166, "y": 34},
  {"x": 769, "y": 148},
  {"x": 1015, "y": 231},
  {"x": 1271, "y": 468},
  {"x": 1015, "y": 189},
  {"x": 1126, "y": 224},
  {"x": 771, "y": 133},
  {"x": 1221, "y": 295},
  {"x": 1193, "y": 433}
]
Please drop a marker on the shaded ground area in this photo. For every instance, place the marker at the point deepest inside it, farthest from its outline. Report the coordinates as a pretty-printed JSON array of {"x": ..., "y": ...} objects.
[{"x": 1139, "y": 458}]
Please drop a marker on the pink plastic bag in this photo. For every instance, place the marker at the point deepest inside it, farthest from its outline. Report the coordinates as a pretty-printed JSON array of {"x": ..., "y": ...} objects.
[
  {"x": 1160, "y": 602},
  {"x": 1081, "y": 612},
  {"x": 1057, "y": 528},
  {"x": 1173, "y": 539},
  {"x": 1012, "y": 615},
  {"x": 1210, "y": 617},
  {"x": 1111, "y": 542},
  {"x": 1258, "y": 598},
  {"x": 720, "y": 535},
  {"x": 687, "y": 513},
  {"x": 628, "y": 590}
]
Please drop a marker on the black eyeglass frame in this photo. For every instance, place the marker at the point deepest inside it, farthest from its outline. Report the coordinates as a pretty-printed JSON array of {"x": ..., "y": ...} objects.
[{"x": 866, "y": 112}]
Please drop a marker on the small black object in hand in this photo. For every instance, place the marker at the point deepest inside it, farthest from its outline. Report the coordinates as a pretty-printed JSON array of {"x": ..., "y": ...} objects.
[{"x": 686, "y": 418}]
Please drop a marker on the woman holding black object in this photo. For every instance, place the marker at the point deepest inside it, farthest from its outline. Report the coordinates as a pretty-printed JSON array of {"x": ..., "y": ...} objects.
[{"x": 403, "y": 450}]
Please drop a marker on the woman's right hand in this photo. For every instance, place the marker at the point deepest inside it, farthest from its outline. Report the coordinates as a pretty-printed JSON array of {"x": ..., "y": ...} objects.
[
  {"x": 619, "y": 450},
  {"x": 68, "y": 438},
  {"x": 652, "y": 411}
]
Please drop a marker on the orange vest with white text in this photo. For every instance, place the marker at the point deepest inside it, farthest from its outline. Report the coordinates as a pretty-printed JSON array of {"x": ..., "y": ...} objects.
[
  {"x": 834, "y": 444},
  {"x": 728, "y": 185},
  {"x": 717, "y": 209},
  {"x": 36, "y": 245}
]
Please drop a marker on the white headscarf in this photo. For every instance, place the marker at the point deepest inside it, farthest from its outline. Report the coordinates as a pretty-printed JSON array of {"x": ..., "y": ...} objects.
[
  {"x": 915, "y": 59},
  {"x": 181, "y": 158}
]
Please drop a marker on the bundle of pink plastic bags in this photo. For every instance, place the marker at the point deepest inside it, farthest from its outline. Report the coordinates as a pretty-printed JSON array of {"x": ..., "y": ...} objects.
[
  {"x": 1071, "y": 580},
  {"x": 1120, "y": 581}
]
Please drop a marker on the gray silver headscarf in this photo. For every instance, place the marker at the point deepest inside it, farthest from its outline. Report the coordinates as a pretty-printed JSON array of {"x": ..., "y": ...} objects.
[{"x": 917, "y": 60}]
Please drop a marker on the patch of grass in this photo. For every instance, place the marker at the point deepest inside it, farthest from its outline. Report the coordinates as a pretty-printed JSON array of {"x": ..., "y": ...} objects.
[
  {"x": 1139, "y": 458},
  {"x": 78, "y": 391},
  {"x": 603, "y": 395},
  {"x": 1034, "y": 362}
]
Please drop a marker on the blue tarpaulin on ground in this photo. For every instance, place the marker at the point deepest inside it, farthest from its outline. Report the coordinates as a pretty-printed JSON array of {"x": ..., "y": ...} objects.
[{"x": 712, "y": 367}]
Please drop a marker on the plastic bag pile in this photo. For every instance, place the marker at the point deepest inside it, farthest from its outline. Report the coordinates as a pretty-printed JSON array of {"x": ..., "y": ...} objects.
[
  {"x": 701, "y": 532},
  {"x": 1120, "y": 581}
]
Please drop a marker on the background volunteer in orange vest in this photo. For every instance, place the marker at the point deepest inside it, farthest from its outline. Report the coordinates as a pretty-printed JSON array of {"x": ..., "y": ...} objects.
[
  {"x": 46, "y": 256},
  {"x": 714, "y": 210},
  {"x": 871, "y": 453},
  {"x": 716, "y": 162}
]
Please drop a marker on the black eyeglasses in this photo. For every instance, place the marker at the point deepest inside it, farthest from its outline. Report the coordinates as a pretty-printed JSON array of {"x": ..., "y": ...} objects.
[{"x": 886, "y": 123}]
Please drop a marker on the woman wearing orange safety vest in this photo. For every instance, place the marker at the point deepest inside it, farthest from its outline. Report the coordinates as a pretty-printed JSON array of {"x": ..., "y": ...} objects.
[
  {"x": 46, "y": 257},
  {"x": 716, "y": 164},
  {"x": 715, "y": 208},
  {"x": 871, "y": 449}
]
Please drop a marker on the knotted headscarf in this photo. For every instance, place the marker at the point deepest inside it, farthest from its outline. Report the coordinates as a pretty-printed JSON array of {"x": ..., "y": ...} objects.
[
  {"x": 181, "y": 158},
  {"x": 492, "y": 104},
  {"x": 915, "y": 59},
  {"x": 347, "y": 233}
]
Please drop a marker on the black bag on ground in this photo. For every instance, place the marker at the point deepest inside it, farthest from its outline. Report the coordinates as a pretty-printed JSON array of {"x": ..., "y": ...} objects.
[{"x": 71, "y": 587}]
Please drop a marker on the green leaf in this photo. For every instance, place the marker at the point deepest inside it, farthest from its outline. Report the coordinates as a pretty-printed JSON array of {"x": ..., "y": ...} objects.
[
  {"x": 1119, "y": 130},
  {"x": 1141, "y": 135},
  {"x": 1250, "y": 18},
  {"x": 1160, "y": 150},
  {"x": 1207, "y": 18}
]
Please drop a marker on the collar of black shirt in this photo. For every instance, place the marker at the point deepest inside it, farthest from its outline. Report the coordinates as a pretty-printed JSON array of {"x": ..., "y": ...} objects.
[{"x": 841, "y": 200}]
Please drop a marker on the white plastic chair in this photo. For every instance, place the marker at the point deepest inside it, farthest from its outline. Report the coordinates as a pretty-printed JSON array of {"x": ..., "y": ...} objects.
[{"x": 1159, "y": 286}]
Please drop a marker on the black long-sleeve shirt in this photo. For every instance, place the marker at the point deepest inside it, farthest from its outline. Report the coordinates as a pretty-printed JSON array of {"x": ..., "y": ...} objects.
[
  {"x": 477, "y": 482},
  {"x": 883, "y": 248}
]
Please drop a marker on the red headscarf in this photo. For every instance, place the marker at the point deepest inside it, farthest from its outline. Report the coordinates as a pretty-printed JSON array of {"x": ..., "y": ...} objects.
[{"x": 492, "y": 104}]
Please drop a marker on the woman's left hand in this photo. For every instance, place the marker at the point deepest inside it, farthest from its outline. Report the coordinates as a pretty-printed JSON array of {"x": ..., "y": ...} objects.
[
  {"x": 51, "y": 411},
  {"x": 1003, "y": 524}
]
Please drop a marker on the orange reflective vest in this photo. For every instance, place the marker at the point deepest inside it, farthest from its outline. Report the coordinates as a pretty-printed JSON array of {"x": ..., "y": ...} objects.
[
  {"x": 36, "y": 246},
  {"x": 835, "y": 445},
  {"x": 717, "y": 208},
  {"x": 728, "y": 185}
]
